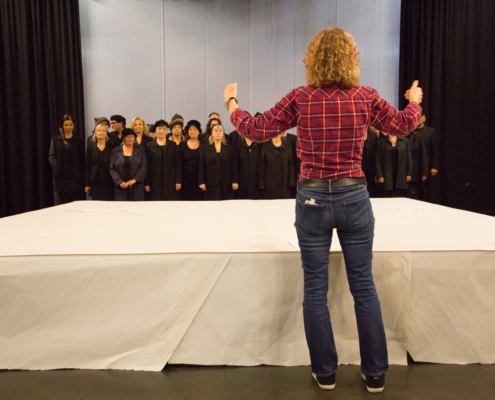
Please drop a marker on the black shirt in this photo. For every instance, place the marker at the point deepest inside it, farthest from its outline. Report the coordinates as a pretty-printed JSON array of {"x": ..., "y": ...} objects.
[{"x": 127, "y": 174}]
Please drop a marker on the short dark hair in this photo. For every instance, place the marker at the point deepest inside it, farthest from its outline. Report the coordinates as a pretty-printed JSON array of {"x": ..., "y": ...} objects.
[{"x": 118, "y": 118}]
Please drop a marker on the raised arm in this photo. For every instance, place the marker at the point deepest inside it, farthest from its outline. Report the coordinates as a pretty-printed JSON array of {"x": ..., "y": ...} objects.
[
  {"x": 391, "y": 121},
  {"x": 281, "y": 117}
]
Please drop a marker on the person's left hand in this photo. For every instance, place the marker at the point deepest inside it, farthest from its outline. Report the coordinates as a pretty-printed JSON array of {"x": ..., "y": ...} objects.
[
  {"x": 434, "y": 172},
  {"x": 235, "y": 186},
  {"x": 230, "y": 91},
  {"x": 408, "y": 178},
  {"x": 131, "y": 182},
  {"x": 424, "y": 178},
  {"x": 178, "y": 186}
]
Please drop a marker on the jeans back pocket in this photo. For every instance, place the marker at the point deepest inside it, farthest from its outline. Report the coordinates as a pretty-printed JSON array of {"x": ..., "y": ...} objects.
[
  {"x": 359, "y": 213},
  {"x": 308, "y": 218}
]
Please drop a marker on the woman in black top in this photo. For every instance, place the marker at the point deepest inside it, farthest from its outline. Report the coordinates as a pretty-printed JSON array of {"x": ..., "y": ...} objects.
[
  {"x": 128, "y": 168},
  {"x": 393, "y": 165},
  {"x": 176, "y": 133},
  {"x": 276, "y": 169},
  {"x": 218, "y": 174},
  {"x": 204, "y": 138},
  {"x": 66, "y": 158},
  {"x": 141, "y": 130},
  {"x": 248, "y": 157},
  {"x": 189, "y": 155},
  {"x": 99, "y": 183},
  {"x": 163, "y": 180}
]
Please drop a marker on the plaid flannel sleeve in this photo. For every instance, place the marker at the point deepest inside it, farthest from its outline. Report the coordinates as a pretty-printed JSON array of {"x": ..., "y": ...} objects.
[
  {"x": 284, "y": 115},
  {"x": 391, "y": 121}
]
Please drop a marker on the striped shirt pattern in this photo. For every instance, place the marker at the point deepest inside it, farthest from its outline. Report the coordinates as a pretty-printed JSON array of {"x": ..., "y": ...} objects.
[{"x": 331, "y": 126}]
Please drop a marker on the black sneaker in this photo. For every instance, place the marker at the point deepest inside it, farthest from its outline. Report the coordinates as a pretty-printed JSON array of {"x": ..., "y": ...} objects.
[
  {"x": 374, "y": 384},
  {"x": 325, "y": 382}
]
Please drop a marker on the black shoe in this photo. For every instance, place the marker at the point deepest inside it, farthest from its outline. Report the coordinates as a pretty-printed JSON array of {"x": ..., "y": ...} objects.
[
  {"x": 325, "y": 382},
  {"x": 374, "y": 384}
]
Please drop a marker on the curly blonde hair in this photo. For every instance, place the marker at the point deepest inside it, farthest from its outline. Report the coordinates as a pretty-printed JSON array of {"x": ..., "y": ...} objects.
[
  {"x": 146, "y": 130},
  {"x": 332, "y": 57}
]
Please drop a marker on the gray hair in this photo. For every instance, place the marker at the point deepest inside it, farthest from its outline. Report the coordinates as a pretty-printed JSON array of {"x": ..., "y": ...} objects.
[{"x": 94, "y": 133}]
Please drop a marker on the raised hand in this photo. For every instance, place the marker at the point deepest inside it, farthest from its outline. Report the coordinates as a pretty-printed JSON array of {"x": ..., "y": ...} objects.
[
  {"x": 230, "y": 91},
  {"x": 415, "y": 93}
]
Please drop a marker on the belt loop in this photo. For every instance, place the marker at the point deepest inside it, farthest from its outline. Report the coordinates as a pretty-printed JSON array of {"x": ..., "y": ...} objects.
[{"x": 330, "y": 186}]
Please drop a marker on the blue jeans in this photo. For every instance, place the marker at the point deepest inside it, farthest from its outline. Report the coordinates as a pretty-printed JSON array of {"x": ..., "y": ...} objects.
[{"x": 348, "y": 209}]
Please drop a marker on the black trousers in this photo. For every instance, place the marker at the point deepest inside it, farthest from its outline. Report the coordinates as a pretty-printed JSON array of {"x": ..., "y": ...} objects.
[
  {"x": 69, "y": 197},
  {"x": 219, "y": 192},
  {"x": 413, "y": 190},
  {"x": 103, "y": 191},
  {"x": 394, "y": 193}
]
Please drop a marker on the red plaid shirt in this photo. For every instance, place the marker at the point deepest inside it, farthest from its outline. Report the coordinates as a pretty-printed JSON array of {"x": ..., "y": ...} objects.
[{"x": 331, "y": 126}]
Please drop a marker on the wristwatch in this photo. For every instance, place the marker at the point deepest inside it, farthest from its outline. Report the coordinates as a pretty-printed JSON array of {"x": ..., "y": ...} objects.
[{"x": 228, "y": 102}]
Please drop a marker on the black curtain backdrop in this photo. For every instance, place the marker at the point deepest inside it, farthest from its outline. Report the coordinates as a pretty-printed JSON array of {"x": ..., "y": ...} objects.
[
  {"x": 40, "y": 80},
  {"x": 449, "y": 46}
]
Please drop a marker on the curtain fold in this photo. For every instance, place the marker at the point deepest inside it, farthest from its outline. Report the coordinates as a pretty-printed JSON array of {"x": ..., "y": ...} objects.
[
  {"x": 448, "y": 45},
  {"x": 41, "y": 79}
]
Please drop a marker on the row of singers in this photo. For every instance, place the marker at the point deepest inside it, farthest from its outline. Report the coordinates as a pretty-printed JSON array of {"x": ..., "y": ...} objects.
[
  {"x": 178, "y": 164},
  {"x": 398, "y": 166}
]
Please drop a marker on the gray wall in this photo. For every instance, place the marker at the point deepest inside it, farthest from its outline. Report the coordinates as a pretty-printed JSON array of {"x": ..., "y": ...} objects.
[{"x": 155, "y": 58}]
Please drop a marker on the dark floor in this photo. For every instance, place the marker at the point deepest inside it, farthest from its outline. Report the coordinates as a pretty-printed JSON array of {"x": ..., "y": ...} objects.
[{"x": 417, "y": 381}]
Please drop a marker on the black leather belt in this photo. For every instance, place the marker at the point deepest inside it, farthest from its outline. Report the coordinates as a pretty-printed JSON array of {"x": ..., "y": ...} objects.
[{"x": 308, "y": 183}]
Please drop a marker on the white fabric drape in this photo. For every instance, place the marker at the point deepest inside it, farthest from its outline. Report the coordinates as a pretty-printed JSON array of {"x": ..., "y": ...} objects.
[
  {"x": 134, "y": 285},
  {"x": 155, "y": 58}
]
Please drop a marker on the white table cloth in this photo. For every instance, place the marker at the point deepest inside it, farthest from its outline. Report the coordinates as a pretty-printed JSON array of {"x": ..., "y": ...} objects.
[{"x": 137, "y": 285}]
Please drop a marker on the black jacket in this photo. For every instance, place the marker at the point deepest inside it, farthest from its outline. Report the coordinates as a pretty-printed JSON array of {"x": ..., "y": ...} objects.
[
  {"x": 419, "y": 157},
  {"x": 144, "y": 141},
  {"x": 276, "y": 171},
  {"x": 431, "y": 144},
  {"x": 114, "y": 139},
  {"x": 75, "y": 160},
  {"x": 385, "y": 166},
  {"x": 164, "y": 174},
  {"x": 368, "y": 161},
  {"x": 215, "y": 169},
  {"x": 291, "y": 141},
  {"x": 138, "y": 172},
  {"x": 248, "y": 159},
  {"x": 92, "y": 161},
  {"x": 233, "y": 138},
  {"x": 56, "y": 150}
]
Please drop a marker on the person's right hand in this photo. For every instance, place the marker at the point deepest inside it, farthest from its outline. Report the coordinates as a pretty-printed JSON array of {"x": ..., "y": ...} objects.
[
  {"x": 203, "y": 187},
  {"x": 408, "y": 178},
  {"x": 86, "y": 189},
  {"x": 415, "y": 93},
  {"x": 381, "y": 180},
  {"x": 147, "y": 188},
  {"x": 123, "y": 185}
]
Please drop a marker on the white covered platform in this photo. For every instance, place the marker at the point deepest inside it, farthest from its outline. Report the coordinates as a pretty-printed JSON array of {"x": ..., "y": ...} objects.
[{"x": 112, "y": 285}]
